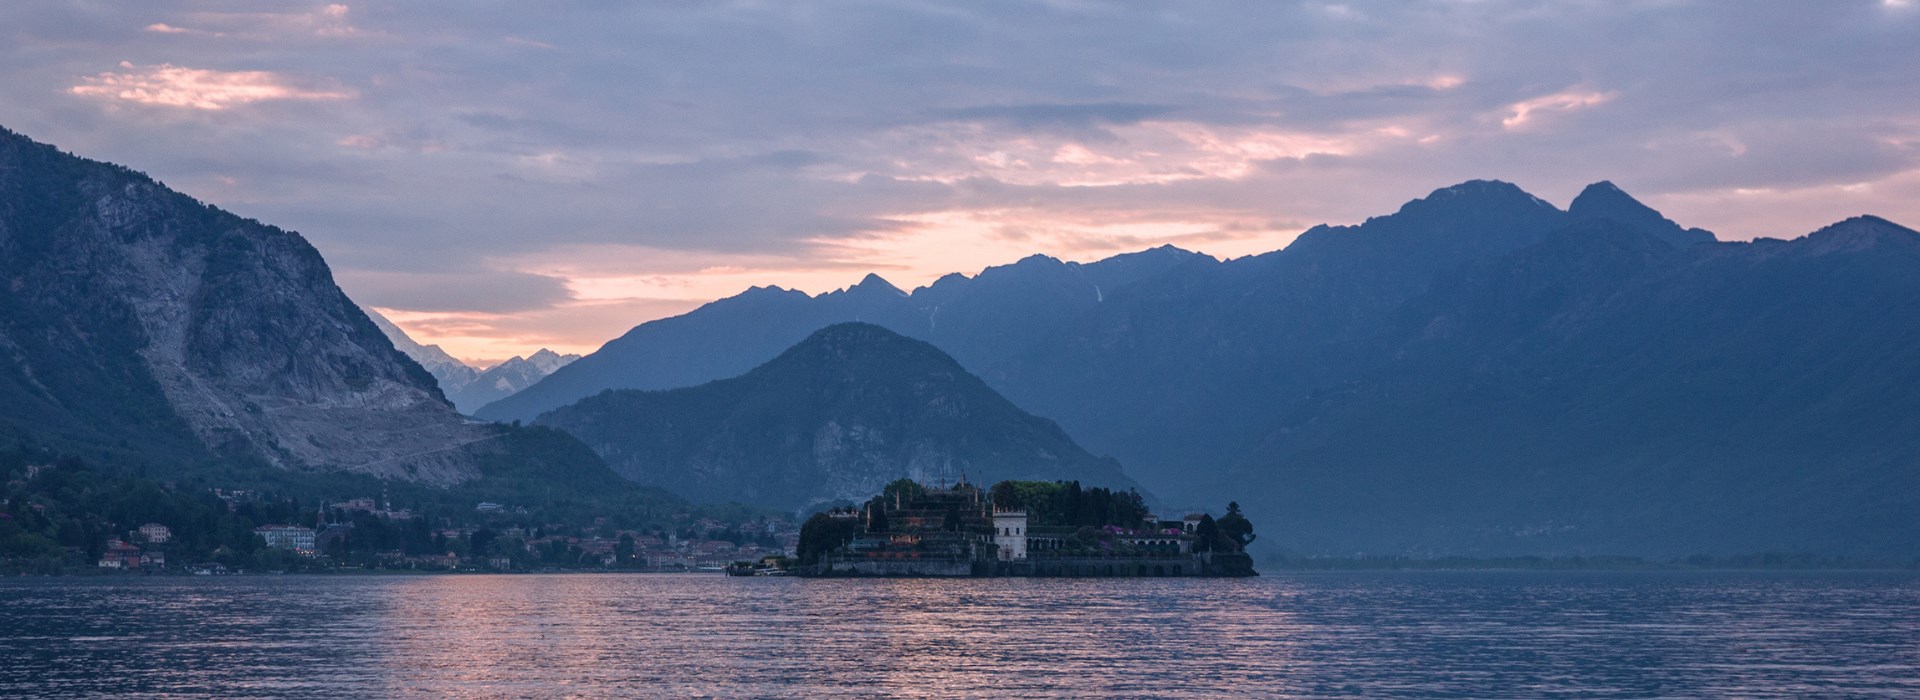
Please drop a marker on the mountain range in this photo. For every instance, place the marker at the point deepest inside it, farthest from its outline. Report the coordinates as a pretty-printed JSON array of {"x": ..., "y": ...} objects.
[
  {"x": 506, "y": 379},
  {"x": 449, "y": 373},
  {"x": 833, "y": 419},
  {"x": 1605, "y": 391},
  {"x": 467, "y": 387},
  {"x": 1480, "y": 372},
  {"x": 140, "y": 328}
]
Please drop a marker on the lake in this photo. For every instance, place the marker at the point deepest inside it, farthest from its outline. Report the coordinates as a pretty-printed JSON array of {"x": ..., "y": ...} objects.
[{"x": 1477, "y": 634}]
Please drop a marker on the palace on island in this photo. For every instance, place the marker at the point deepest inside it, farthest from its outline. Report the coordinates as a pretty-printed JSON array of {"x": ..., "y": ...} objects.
[{"x": 1019, "y": 528}]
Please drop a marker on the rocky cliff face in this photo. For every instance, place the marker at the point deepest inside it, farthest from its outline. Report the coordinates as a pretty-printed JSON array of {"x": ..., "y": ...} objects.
[{"x": 138, "y": 321}]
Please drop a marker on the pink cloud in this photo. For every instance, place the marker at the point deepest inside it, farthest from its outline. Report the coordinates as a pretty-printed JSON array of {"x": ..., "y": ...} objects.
[
  {"x": 164, "y": 28},
  {"x": 1521, "y": 114},
  {"x": 329, "y": 21},
  {"x": 1148, "y": 152},
  {"x": 195, "y": 88}
]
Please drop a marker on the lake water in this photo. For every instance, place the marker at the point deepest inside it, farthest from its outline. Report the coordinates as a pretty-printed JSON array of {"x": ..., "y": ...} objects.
[{"x": 1506, "y": 634}]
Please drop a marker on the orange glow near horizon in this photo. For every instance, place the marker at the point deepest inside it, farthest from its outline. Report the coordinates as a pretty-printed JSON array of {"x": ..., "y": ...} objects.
[
  {"x": 616, "y": 287},
  {"x": 644, "y": 283},
  {"x": 611, "y": 295}
]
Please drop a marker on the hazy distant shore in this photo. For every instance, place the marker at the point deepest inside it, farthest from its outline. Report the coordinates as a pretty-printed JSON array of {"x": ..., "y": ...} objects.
[{"x": 1756, "y": 562}]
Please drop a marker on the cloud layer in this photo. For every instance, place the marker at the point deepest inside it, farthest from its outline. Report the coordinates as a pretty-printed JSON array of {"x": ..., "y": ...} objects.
[
  {"x": 168, "y": 85},
  {"x": 503, "y": 179}
]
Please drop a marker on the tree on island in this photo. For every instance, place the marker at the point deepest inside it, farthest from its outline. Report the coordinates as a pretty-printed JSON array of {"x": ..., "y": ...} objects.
[
  {"x": 824, "y": 533},
  {"x": 1207, "y": 533},
  {"x": 1066, "y": 504},
  {"x": 1235, "y": 526},
  {"x": 1231, "y": 533},
  {"x": 902, "y": 491}
]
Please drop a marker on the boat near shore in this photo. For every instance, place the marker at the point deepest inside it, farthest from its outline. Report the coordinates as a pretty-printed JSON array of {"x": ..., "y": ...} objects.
[{"x": 769, "y": 566}]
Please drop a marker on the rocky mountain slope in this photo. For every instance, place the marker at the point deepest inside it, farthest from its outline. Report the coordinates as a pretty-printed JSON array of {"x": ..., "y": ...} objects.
[
  {"x": 847, "y": 410},
  {"x": 141, "y": 327}
]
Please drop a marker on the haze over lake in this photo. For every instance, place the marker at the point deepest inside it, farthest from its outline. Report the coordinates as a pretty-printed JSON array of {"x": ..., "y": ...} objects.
[{"x": 1482, "y": 634}]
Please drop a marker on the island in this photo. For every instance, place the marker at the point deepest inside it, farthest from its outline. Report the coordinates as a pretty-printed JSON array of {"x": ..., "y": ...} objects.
[{"x": 1019, "y": 528}]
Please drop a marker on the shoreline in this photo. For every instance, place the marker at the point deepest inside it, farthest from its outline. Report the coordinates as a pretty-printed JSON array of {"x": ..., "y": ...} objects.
[{"x": 1266, "y": 573}]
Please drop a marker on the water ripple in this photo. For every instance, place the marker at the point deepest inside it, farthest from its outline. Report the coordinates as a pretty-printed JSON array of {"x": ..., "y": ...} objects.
[{"x": 1329, "y": 635}]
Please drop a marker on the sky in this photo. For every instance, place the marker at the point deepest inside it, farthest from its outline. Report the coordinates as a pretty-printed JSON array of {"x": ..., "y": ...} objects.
[{"x": 498, "y": 177}]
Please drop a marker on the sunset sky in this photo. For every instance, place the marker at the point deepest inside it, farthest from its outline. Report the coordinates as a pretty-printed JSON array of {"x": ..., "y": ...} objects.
[{"x": 500, "y": 176}]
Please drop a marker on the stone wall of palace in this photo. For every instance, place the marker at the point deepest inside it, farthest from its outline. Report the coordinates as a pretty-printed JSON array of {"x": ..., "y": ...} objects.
[{"x": 1204, "y": 564}]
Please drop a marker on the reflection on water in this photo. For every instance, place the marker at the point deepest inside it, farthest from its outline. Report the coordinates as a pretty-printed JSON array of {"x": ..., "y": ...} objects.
[{"x": 1372, "y": 635}]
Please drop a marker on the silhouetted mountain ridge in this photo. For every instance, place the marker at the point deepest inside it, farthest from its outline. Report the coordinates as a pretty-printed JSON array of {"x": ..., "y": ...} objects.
[
  {"x": 1479, "y": 372},
  {"x": 732, "y": 335},
  {"x": 1605, "y": 391},
  {"x": 1603, "y": 200},
  {"x": 847, "y": 410}
]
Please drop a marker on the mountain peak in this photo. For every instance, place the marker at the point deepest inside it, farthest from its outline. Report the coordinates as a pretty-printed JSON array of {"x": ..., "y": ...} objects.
[
  {"x": 1475, "y": 186},
  {"x": 852, "y": 333},
  {"x": 1162, "y": 251},
  {"x": 771, "y": 290},
  {"x": 1126, "y": 268},
  {"x": 505, "y": 379},
  {"x": 1604, "y": 186},
  {"x": 849, "y": 343},
  {"x": 1860, "y": 233},
  {"x": 1481, "y": 190},
  {"x": 1605, "y": 197},
  {"x": 447, "y": 370},
  {"x": 875, "y": 283},
  {"x": 1474, "y": 197},
  {"x": 760, "y": 296},
  {"x": 1604, "y": 200},
  {"x": 847, "y": 410}
]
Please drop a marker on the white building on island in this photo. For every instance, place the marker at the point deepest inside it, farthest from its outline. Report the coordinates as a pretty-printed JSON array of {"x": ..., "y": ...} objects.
[{"x": 1010, "y": 533}]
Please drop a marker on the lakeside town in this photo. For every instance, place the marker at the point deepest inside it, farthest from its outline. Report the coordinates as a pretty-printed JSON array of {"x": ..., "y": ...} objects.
[
  {"x": 73, "y": 520},
  {"x": 704, "y": 544}
]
